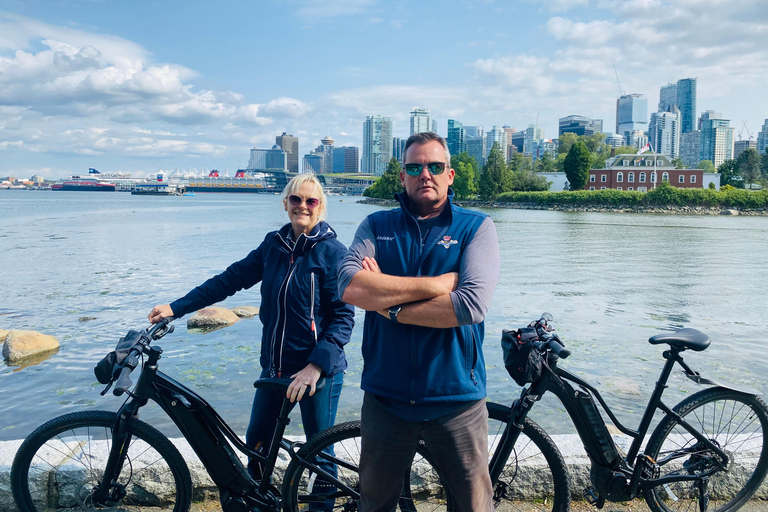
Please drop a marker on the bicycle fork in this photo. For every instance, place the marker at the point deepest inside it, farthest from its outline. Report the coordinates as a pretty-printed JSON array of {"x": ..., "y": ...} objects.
[{"x": 512, "y": 431}]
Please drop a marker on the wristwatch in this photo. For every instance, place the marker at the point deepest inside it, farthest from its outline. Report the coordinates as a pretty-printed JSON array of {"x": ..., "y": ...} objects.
[{"x": 394, "y": 311}]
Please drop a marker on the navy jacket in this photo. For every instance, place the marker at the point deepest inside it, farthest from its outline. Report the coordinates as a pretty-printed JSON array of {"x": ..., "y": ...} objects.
[
  {"x": 303, "y": 317},
  {"x": 413, "y": 363}
]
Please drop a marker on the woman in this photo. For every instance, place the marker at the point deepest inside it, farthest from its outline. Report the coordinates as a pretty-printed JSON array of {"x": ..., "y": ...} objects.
[{"x": 305, "y": 323}]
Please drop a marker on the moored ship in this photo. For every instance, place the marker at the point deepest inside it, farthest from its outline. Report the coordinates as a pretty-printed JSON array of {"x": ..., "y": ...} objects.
[{"x": 88, "y": 183}]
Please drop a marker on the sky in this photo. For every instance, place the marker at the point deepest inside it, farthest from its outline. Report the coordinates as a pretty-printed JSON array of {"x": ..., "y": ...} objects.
[{"x": 141, "y": 86}]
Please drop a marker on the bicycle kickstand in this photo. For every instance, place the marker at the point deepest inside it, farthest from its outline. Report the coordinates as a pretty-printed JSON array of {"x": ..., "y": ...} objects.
[{"x": 703, "y": 494}]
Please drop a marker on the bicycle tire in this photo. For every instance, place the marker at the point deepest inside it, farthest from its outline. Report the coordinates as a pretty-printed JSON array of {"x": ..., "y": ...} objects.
[
  {"x": 299, "y": 482},
  {"x": 738, "y": 423},
  {"x": 422, "y": 489},
  {"x": 535, "y": 475},
  {"x": 58, "y": 465}
]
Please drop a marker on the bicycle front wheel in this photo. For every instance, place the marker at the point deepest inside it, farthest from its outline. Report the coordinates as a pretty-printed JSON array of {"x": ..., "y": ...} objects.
[
  {"x": 737, "y": 423},
  {"x": 61, "y": 464},
  {"x": 337, "y": 451}
]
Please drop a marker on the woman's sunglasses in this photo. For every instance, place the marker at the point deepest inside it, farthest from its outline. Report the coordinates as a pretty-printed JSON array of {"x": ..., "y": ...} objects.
[
  {"x": 432, "y": 167},
  {"x": 311, "y": 202}
]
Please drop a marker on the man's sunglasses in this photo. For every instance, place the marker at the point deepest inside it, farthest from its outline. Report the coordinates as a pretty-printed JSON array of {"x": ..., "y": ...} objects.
[
  {"x": 432, "y": 167},
  {"x": 311, "y": 202}
]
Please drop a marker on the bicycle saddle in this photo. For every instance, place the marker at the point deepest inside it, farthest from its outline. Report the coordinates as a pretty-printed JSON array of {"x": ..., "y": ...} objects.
[
  {"x": 683, "y": 338},
  {"x": 282, "y": 384}
]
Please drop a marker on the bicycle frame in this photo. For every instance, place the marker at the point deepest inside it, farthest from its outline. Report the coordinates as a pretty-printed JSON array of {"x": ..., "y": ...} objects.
[
  {"x": 591, "y": 428},
  {"x": 208, "y": 435}
]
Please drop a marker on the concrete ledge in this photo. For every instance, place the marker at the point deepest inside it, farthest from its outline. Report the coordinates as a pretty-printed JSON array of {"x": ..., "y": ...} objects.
[{"x": 528, "y": 472}]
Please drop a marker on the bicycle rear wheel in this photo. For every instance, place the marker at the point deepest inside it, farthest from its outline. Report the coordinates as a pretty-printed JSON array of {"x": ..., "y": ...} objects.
[
  {"x": 61, "y": 464},
  {"x": 734, "y": 421}
]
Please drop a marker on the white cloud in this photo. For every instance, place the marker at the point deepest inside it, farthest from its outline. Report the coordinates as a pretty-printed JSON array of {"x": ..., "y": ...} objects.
[{"x": 285, "y": 107}]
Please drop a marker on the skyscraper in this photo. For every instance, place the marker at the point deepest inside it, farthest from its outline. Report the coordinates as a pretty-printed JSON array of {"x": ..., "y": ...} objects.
[
  {"x": 474, "y": 131},
  {"x": 290, "y": 145},
  {"x": 664, "y": 132},
  {"x": 716, "y": 138},
  {"x": 377, "y": 144},
  {"x": 667, "y": 97},
  {"x": 456, "y": 137},
  {"x": 580, "y": 125},
  {"x": 690, "y": 149},
  {"x": 762, "y": 138},
  {"x": 631, "y": 115},
  {"x": 739, "y": 146},
  {"x": 346, "y": 159},
  {"x": 496, "y": 135},
  {"x": 476, "y": 149},
  {"x": 398, "y": 146},
  {"x": 686, "y": 102},
  {"x": 420, "y": 120},
  {"x": 434, "y": 126}
]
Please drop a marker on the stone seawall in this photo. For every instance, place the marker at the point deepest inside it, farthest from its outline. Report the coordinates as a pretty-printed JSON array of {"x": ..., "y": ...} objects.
[
  {"x": 528, "y": 472},
  {"x": 668, "y": 210}
]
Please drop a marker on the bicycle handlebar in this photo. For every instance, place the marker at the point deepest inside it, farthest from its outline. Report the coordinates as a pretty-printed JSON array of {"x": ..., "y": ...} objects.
[{"x": 154, "y": 332}]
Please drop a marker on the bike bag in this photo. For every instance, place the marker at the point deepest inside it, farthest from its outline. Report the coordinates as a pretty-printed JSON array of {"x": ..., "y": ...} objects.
[
  {"x": 108, "y": 369},
  {"x": 523, "y": 363}
]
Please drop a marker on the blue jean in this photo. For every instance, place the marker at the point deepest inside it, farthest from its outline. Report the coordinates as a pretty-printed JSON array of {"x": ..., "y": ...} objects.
[{"x": 318, "y": 412}]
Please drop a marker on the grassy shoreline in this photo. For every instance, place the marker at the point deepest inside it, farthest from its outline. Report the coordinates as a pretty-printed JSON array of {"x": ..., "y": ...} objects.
[{"x": 663, "y": 199}]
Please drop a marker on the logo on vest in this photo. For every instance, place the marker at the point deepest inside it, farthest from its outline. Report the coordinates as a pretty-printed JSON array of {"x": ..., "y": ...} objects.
[
  {"x": 385, "y": 238},
  {"x": 447, "y": 242}
]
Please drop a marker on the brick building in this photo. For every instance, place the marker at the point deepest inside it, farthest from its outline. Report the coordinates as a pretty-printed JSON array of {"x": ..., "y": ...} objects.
[{"x": 644, "y": 172}]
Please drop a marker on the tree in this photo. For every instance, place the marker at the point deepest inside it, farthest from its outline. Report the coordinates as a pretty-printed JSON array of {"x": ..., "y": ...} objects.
[
  {"x": 626, "y": 150},
  {"x": 577, "y": 164},
  {"x": 678, "y": 163},
  {"x": 728, "y": 174},
  {"x": 764, "y": 165},
  {"x": 748, "y": 166},
  {"x": 519, "y": 162},
  {"x": 496, "y": 178},
  {"x": 529, "y": 181},
  {"x": 565, "y": 141},
  {"x": 545, "y": 163},
  {"x": 465, "y": 180},
  {"x": 707, "y": 165},
  {"x": 594, "y": 142},
  {"x": 389, "y": 184}
]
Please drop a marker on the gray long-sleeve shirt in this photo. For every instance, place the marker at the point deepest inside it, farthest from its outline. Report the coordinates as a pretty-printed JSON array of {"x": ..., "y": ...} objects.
[{"x": 478, "y": 270}]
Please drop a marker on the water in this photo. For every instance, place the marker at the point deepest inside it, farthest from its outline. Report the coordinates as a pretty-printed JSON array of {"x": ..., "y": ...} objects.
[{"x": 610, "y": 280}]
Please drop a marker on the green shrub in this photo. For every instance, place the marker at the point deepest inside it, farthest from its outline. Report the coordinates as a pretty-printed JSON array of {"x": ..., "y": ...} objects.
[{"x": 663, "y": 195}]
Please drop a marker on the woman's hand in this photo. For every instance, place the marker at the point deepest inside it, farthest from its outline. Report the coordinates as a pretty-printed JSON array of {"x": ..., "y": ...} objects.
[
  {"x": 159, "y": 312},
  {"x": 306, "y": 377}
]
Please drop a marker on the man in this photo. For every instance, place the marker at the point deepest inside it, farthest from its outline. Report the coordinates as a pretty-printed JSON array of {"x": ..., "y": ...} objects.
[{"x": 425, "y": 274}]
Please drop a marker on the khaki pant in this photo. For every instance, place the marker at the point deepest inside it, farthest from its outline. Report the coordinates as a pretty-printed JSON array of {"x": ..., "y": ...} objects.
[{"x": 457, "y": 443}]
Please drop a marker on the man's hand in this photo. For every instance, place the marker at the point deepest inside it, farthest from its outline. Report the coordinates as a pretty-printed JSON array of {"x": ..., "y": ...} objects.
[
  {"x": 159, "y": 312},
  {"x": 307, "y": 377}
]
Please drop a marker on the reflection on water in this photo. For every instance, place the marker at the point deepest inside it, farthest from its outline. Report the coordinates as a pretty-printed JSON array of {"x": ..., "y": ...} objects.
[{"x": 610, "y": 280}]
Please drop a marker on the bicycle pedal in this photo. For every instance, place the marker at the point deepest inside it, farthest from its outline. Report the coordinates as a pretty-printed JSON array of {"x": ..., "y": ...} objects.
[{"x": 593, "y": 498}]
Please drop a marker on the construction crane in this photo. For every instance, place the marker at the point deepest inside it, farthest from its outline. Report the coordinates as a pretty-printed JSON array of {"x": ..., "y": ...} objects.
[
  {"x": 744, "y": 128},
  {"x": 621, "y": 91}
]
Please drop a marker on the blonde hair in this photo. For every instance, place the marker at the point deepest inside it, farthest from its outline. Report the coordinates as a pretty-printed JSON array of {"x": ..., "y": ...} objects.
[{"x": 293, "y": 186}]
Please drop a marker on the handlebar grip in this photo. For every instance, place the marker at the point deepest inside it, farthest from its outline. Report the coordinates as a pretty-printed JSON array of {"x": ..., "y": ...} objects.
[
  {"x": 123, "y": 381},
  {"x": 559, "y": 350}
]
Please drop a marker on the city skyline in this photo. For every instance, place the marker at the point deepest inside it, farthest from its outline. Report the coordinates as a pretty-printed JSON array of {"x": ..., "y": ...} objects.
[{"x": 129, "y": 89}]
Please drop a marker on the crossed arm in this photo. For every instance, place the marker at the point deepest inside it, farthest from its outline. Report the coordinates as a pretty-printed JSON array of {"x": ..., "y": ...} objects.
[{"x": 442, "y": 301}]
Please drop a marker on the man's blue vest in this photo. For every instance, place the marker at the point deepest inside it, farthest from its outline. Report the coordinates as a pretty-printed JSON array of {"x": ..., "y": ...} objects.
[{"x": 422, "y": 364}]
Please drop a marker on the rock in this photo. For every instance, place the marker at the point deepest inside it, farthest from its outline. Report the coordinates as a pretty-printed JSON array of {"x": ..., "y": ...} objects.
[
  {"x": 86, "y": 318},
  {"x": 729, "y": 212},
  {"x": 246, "y": 311},
  {"x": 23, "y": 344},
  {"x": 3, "y": 334},
  {"x": 212, "y": 317}
]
